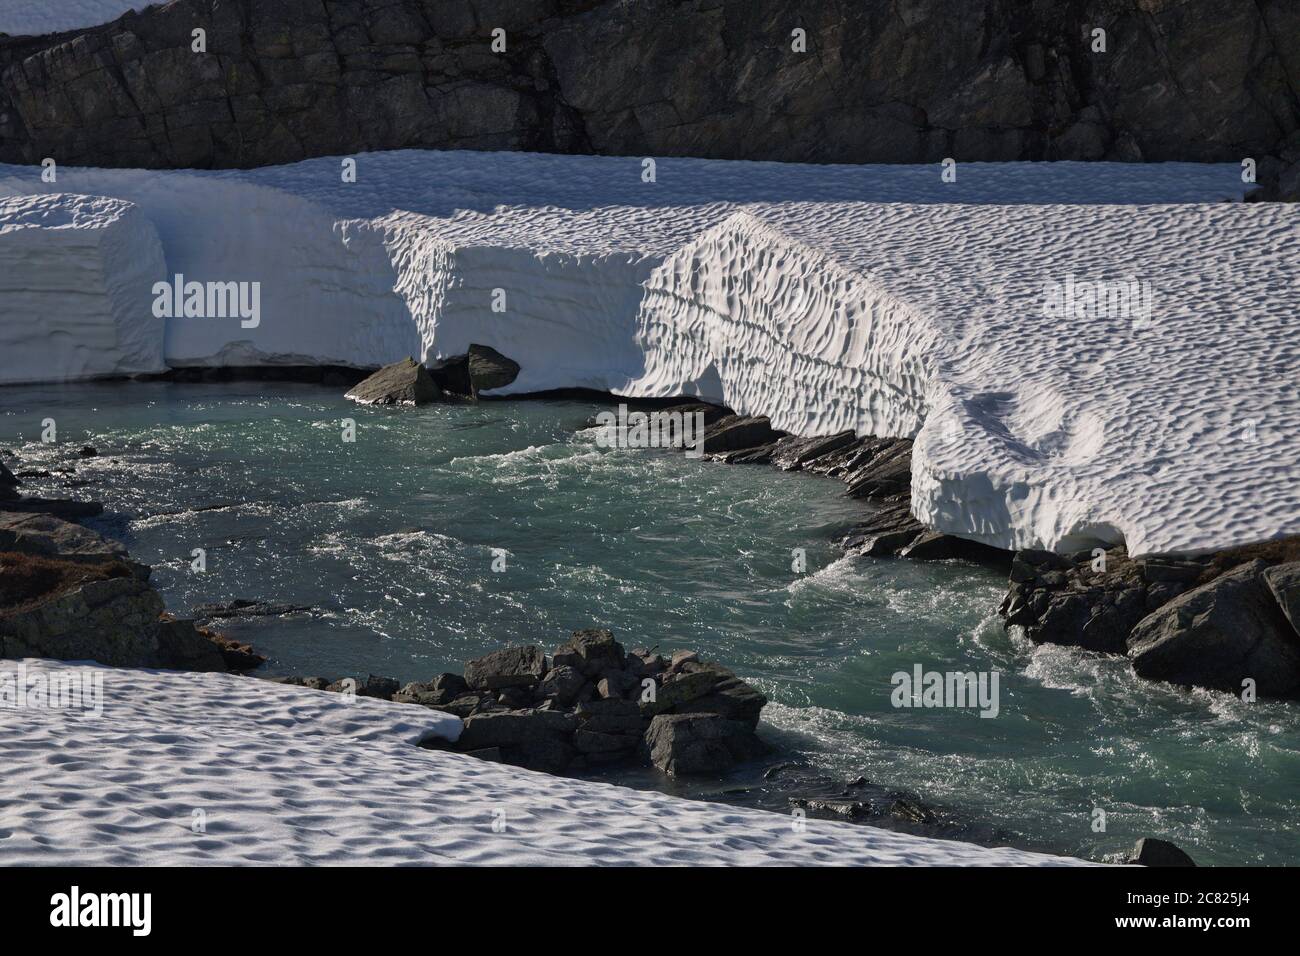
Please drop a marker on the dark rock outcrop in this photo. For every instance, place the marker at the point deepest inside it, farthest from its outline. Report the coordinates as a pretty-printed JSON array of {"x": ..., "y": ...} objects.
[
  {"x": 403, "y": 383},
  {"x": 244, "y": 607},
  {"x": 737, "y": 432},
  {"x": 509, "y": 667},
  {"x": 592, "y": 704},
  {"x": 489, "y": 369},
  {"x": 1152, "y": 852},
  {"x": 105, "y": 612},
  {"x": 1220, "y": 634},
  {"x": 282, "y": 81}
]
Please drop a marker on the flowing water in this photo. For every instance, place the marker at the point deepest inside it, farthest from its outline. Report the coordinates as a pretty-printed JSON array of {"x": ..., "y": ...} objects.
[{"x": 392, "y": 539}]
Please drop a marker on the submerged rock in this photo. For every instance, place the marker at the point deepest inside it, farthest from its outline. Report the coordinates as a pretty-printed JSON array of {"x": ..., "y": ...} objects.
[
  {"x": 243, "y": 607},
  {"x": 403, "y": 383}
]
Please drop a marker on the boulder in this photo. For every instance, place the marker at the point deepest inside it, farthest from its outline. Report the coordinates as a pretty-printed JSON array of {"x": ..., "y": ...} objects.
[
  {"x": 1219, "y": 634},
  {"x": 1152, "y": 852},
  {"x": 403, "y": 383},
  {"x": 537, "y": 739},
  {"x": 684, "y": 744},
  {"x": 1284, "y": 583},
  {"x": 443, "y": 689},
  {"x": 510, "y": 667},
  {"x": 592, "y": 651},
  {"x": 561, "y": 684},
  {"x": 489, "y": 369},
  {"x": 706, "y": 688},
  {"x": 8, "y": 482}
]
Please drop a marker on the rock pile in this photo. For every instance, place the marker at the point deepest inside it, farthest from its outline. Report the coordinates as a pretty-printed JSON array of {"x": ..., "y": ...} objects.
[
  {"x": 459, "y": 378},
  {"x": 589, "y": 704},
  {"x": 1211, "y": 622}
]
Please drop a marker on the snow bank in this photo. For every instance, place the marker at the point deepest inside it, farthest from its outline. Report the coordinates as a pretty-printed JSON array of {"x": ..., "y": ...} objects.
[
  {"x": 38, "y": 17},
  {"x": 213, "y": 769},
  {"x": 75, "y": 274},
  {"x": 828, "y": 297}
]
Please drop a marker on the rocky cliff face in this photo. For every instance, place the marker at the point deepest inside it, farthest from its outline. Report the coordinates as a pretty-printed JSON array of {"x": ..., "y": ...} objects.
[{"x": 880, "y": 81}]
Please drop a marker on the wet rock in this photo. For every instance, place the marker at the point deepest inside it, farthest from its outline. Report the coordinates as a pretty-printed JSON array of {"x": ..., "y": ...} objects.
[
  {"x": 243, "y": 607},
  {"x": 9, "y": 483},
  {"x": 510, "y": 667},
  {"x": 1152, "y": 852},
  {"x": 1220, "y": 634},
  {"x": 762, "y": 455},
  {"x": 403, "y": 383},
  {"x": 885, "y": 533},
  {"x": 685, "y": 744},
  {"x": 58, "y": 507},
  {"x": 882, "y": 468},
  {"x": 936, "y": 546},
  {"x": 87, "y": 451},
  {"x": 735, "y": 432},
  {"x": 792, "y": 453}
]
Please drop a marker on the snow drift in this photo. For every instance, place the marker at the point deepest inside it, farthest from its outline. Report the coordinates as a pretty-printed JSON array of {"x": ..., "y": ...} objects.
[
  {"x": 1084, "y": 352},
  {"x": 283, "y": 775}
]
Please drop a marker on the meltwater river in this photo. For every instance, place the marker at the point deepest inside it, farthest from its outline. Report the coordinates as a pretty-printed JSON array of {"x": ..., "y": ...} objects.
[{"x": 392, "y": 539}]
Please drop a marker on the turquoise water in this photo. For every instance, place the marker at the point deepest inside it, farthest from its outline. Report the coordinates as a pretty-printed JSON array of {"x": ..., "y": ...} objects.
[{"x": 391, "y": 539}]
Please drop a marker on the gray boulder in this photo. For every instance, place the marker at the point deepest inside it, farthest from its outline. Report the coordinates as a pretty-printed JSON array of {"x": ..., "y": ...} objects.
[
  {"x": 592, "y": 651},
  {"x": 489, "y": 369},
  {"x": 510, "y": 667},
  {"x": 561, "y": 684},
  {"x": 684, "y": 744},
  {"x": 537, "y": 739},
  {"x": 1219, "y": 634},
  {"x": 403, "y": 383},
  {"x": 1284, "y": 583}
]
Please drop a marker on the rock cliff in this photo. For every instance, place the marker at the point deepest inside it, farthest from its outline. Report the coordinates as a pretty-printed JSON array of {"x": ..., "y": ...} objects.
[{"x": 876, "y": 81}]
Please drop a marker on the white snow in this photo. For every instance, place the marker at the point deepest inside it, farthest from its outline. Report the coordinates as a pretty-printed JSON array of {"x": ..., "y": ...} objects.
[
  {"x": 38, "y": 17},
  {"x": 213, "y": 769},
  {"x": 877, "y": 298},
  {"x": 73, "y": 270}
]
